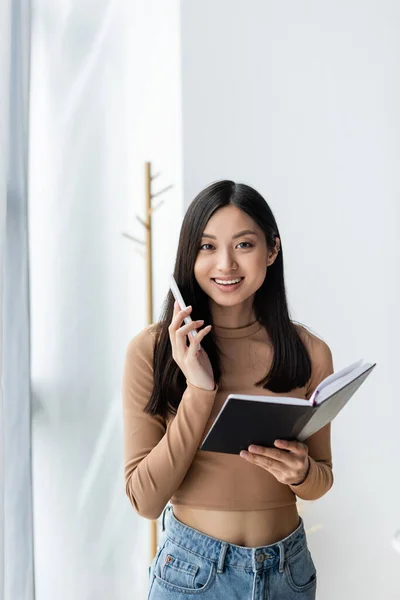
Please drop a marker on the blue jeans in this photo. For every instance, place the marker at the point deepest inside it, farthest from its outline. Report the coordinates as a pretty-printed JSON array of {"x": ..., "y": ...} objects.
[{"x": 190, "y": 564}]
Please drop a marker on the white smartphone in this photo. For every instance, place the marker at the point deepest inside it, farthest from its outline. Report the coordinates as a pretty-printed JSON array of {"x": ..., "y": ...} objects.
[{"x": 178, "y": 297}]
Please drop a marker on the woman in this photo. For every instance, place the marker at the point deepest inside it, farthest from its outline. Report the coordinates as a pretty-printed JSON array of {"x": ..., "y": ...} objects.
[{"x": 232, "y": 529}]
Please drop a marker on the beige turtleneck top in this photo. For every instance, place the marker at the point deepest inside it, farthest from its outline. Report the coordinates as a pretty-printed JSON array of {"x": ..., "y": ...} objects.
[{"x": 162, "y": 457}]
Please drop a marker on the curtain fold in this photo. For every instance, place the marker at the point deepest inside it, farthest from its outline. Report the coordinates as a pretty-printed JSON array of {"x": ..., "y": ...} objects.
[
  {"x": 16, "y": 543},
  {"x": 5, "y": 12}
]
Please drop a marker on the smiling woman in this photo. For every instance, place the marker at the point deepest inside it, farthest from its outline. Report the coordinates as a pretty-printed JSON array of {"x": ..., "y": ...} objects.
[
  {"x": 228, "y": 510},
  {"x": 236, "y": 261}
]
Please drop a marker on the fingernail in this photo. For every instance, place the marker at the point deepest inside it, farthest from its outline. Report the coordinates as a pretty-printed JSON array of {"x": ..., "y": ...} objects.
[
  {"x": 188, "y": 308},
  {"x": 243, "y": 453}
]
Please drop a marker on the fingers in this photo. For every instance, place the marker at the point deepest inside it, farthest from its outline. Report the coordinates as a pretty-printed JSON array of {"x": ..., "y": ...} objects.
[
  {"x": 185, "y": 329},
  {"x": 293, "y": 446},
  {"x": 179, "y": 315},
  {"x": 194, "y": 342},
  {"x": 261, "y": 460},
  {"x": 177, "y": 307},
  {"x": 176, "y": 322},
  {"x": 179, "y": 332},
  {"x": 290, "y": 469},
  {"x": 272, "y": 457},
  {"x": 182, "y": 334},
  {"x": 272, "y": 453}
]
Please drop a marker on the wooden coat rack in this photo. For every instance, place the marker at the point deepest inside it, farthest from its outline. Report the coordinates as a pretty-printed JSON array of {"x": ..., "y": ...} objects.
[{"x": 148, "y": 255}]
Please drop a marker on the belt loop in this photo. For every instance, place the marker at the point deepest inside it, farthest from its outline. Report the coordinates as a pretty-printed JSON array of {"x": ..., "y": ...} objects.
[
  {"x": 281, "y": 557},
  {"x": 221, "y": 558},
  {"x": 163, "y": 517}
]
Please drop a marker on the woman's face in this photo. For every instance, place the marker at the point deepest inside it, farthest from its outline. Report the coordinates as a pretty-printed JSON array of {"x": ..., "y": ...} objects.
[{"x": 233, "y": 249}]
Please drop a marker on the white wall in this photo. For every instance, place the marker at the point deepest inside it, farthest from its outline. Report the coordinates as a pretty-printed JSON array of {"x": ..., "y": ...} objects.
[
  {"x": 104, "y": 98},
  {"x": 301, "y": 101}
]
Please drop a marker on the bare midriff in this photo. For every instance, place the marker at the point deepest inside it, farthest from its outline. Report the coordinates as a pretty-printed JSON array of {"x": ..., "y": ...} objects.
[{"x": 249, "y": 528}]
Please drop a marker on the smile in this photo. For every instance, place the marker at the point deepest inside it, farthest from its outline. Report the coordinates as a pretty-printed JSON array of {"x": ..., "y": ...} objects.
[{"x": 228, "y": 284}]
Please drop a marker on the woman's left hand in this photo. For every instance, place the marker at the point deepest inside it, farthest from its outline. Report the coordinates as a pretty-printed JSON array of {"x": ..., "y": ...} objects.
[{"x": 288, "y": 462}]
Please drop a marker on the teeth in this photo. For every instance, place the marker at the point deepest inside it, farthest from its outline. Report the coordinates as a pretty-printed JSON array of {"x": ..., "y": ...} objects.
[{"x": 228, "y": 282}]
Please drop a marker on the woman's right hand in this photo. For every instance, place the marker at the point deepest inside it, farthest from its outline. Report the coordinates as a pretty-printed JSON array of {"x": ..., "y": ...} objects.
[{"x": 194, "y": 363}]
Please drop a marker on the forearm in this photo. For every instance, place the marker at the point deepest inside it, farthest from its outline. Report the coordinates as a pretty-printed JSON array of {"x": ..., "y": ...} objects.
[{"x": 151, "y": 482}]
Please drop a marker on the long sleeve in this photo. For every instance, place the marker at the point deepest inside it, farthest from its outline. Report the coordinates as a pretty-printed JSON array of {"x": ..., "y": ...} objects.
[
  {"x": 320, "y": 475},
  {"x": 157, "y": 457}
]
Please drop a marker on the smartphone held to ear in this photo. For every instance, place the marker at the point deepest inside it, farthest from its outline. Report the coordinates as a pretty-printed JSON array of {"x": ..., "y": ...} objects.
[{"x": 178, "y": 297}]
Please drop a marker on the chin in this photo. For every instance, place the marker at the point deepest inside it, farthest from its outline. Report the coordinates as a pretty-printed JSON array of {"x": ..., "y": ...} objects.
[{"x": 229, "y": 299}]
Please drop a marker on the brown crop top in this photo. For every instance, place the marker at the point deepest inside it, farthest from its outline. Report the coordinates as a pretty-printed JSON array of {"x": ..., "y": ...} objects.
[{"x": 162, "y": 459}]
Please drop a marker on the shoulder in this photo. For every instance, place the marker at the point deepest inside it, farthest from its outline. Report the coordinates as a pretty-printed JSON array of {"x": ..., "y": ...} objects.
[
  {"x": 320, "y": 356},
  {"x": 318, "y": 348},
  {"x": 142, "y": 344}
]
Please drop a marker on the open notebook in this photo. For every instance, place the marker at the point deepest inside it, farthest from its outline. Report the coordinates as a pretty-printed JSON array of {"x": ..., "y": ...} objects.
[{"x": 260, "y": 420}]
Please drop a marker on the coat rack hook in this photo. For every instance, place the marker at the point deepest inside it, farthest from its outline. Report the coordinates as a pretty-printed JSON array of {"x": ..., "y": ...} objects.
[
  {"x": 162, "y": 191},
  {"x": 142, "y": 222},
  {"x": 131, "y": 237},
  {"x": 154, "y": 208}
]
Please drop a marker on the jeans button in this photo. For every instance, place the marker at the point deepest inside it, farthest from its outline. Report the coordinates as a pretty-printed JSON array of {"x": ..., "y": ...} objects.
[{"x": 260, "y": 558}]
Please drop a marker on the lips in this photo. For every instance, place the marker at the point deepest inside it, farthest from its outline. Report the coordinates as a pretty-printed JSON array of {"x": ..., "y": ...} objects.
[
  {"x": 227, "y": 287},
  {"x": 227, "y": 279}
]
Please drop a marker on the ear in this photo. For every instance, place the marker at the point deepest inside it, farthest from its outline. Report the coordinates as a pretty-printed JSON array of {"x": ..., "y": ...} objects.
[{"x": 272, "y": 255}]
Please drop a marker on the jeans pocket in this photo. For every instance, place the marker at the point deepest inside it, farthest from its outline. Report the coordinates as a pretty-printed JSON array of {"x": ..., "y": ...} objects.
[
  {"x": 300, "y": 571},
  {"x": 178, "y": 569}
]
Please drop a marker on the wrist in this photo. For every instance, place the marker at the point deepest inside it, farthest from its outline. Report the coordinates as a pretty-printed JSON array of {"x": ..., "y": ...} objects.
[{"x": 205, "y": 388}]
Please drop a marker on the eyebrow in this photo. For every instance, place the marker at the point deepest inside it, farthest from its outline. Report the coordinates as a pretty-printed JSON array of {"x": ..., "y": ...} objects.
[{"x": 237, "y": 235}]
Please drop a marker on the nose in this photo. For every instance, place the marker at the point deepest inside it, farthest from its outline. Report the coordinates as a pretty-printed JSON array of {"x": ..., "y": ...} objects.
[{"x": 226, "y": 262}]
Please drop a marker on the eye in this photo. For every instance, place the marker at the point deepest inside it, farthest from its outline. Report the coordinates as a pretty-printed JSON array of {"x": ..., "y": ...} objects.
[{"x": 247, "y": 245}]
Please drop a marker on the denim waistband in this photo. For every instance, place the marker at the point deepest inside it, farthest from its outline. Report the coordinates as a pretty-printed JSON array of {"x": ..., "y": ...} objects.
[{"x": 224, "y": 553}]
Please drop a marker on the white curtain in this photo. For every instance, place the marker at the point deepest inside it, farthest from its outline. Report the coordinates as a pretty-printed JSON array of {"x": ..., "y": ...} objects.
[
  {"x": 89, "y": 543},
  {"x": 16, "y": 538},
  {"x": 4, "y": 103},
  {"x": 72, "y": 287}
]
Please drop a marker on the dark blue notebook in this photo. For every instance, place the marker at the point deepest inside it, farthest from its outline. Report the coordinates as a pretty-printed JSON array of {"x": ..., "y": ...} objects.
[{"x": 260, "y": 420}]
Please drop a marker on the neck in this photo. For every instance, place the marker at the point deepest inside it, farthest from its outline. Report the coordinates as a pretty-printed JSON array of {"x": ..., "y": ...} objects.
[
  {"x": 235, "y": 326},
  {"x": 233, "y": 317}
]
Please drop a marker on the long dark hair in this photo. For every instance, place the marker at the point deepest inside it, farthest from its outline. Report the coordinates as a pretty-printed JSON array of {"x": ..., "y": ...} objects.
[{"x": 291, "y": 366}]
